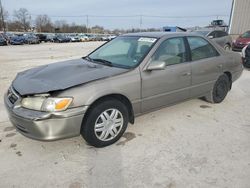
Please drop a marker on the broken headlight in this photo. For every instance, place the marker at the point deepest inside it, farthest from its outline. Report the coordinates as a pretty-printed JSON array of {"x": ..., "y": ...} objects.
[{"x": 45, "y": 104}]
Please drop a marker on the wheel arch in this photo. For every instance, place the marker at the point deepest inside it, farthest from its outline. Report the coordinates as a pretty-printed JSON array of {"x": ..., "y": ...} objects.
[
  {"x": 119, "y": 97},
  {"x": 229, "y": 75}
]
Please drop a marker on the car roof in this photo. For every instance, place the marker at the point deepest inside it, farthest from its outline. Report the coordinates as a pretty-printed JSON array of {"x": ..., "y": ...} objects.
[{"x": 159, "y": 34}]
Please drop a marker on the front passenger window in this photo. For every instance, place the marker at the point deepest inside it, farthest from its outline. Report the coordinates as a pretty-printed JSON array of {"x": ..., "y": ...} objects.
[{"x": 172, "y": 51}]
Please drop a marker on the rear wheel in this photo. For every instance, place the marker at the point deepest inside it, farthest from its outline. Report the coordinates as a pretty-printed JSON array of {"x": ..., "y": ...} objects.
[
  {"x": 221, "y": 88},
  {"x": 227, "y": 47},
  {"x": 105, "y": 123}
]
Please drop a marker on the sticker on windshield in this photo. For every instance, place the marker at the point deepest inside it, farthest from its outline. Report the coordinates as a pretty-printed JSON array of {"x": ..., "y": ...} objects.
[{"x": 146, "y": 39}]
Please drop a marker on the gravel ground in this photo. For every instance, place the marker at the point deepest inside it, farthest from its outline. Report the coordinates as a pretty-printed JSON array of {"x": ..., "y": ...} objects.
[{"x": 192, "y": 144}]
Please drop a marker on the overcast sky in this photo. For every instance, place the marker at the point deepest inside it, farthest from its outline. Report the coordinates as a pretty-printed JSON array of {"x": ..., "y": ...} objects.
[{"x": 183, "y": 13}]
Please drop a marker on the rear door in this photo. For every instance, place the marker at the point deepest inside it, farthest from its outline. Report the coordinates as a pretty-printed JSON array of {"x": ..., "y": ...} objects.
[
  {"x": 163, "y": 87},
  {"x": 206, "y": 65}
]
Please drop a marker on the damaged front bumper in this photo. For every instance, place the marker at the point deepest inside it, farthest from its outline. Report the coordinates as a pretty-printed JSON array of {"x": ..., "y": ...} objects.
[{"x": 44, "y": 125}]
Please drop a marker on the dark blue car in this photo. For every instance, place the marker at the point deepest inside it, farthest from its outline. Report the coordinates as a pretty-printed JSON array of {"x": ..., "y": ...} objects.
[{"x": 17, "y": 40}]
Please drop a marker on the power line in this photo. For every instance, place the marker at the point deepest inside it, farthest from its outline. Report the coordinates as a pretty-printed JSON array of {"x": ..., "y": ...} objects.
[{"x": 133, "y": 16}]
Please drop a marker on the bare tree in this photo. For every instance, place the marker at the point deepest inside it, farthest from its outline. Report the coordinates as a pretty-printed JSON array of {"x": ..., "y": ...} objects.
[
  {"x": 23, "y": 18},
  {"x": 97, "y": 29},
  {"x": 43, "y": 23},
  {"x": 3, "y": 17}
]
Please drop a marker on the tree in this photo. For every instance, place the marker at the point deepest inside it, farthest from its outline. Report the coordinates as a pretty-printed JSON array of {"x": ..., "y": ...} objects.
[
  {"x": 3, "y": 17},
  {"x": 43, "y": 23},
  {"x": 23, "y": 18},
  {"x": 97, "y": 29}
]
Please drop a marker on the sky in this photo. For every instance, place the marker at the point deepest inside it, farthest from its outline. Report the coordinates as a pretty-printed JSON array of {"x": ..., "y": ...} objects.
[{"x": 125, "y": 14}]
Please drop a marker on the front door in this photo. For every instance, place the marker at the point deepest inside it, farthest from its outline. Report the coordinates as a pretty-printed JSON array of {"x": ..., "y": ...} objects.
[{"x": 168, "y": 86}]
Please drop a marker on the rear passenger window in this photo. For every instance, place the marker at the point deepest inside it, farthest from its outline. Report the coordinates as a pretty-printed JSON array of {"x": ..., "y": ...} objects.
[{"x": 201, "y": 49}]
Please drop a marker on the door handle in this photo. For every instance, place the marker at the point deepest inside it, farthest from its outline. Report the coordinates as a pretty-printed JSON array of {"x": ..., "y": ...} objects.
[
  {"x": 219, "y": 66},
  {"x": 186, "y": 74}
]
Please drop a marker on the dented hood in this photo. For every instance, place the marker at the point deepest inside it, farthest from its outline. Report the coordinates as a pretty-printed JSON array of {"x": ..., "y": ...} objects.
[{"x": 60, "y": 76}]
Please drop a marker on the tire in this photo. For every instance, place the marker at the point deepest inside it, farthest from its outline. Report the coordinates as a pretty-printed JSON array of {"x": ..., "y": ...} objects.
[
  {"x": 246, "y": 63},
  {"x": 98, "y": 127},
  {"x": 227, "y": 47},
  {"x": 221, "y": 88}
]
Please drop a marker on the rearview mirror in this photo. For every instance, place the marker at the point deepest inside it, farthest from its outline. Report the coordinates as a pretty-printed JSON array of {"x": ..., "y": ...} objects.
[
  {"x": 210, "y": 36},
  {"x": 156, "y": 65}
]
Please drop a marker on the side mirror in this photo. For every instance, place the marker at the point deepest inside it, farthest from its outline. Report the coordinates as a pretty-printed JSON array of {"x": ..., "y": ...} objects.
[
  {"x": 210, "y": 36},
  {"x": 156, "y": 65}
]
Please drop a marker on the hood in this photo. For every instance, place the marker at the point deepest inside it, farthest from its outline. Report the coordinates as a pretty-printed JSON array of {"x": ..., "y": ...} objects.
[
  {"x": 243, "y": 40},
  {"x": 60, "y": 76}
]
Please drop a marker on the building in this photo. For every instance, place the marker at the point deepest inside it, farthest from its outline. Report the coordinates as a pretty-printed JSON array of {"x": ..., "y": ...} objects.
[{"x": 240, "y": 17}]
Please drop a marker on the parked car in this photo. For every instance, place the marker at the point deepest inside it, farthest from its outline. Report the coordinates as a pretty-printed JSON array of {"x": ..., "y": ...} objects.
[
  {"x": 3, "y": 41},
  {"x": 50, "y": 38},
  {"x": 246, "y": 56},
  {"x": 17, "y": 40},
  {"x": 42, "y": 37},
  {"x": 83, "y": 37},
  {"x": 74, "y": 38},
  {"x": 108, "y": 37},
  {"x": 7, "y": 36},
  {"x": 98, "y": 95},
  {"x": 31, "y": 39},
  {"x": 241, "y": 41},
  {"x": 61, "y": 38},
  {"x": 220, "y": 37}
]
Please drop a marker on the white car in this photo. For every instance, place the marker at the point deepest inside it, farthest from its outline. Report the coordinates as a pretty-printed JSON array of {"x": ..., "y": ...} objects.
[
  {"x": 83, "y": 37},
  {"x": 246, "y": 56}
]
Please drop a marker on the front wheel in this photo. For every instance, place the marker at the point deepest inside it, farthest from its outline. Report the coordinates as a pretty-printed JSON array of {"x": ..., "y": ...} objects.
[{"x": 105, "y": 123}]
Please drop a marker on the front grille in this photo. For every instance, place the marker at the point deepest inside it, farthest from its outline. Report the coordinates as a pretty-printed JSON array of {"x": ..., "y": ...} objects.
[{"x": 12, "y": 96}]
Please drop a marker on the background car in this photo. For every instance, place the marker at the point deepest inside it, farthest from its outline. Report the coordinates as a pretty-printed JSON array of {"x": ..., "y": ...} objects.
[
  {"x": 83, "y": 37},
  {"x": 61, "y": 38},
  {"x": 42, "y": 37},
  {"x": 246, "y": 56},
  {"x": 220, "y": 37},
  {"x": 7, "y": 36},
  {"x": 241, "y": 41},
  {"x": 31, "y": 39},
  {"x": 17, "y": 40},
  {"x": 50, "y": 38},
  {"x": 74, "y": 38},
  {"x": 3, "y": 41}
]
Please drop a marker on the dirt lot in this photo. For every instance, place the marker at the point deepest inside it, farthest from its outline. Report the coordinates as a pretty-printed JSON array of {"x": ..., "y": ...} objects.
[{"x": 192, "y": 144}]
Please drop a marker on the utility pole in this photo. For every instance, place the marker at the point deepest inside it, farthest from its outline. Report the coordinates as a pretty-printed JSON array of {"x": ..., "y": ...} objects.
[
  {"x": 140, "y": 22},
  {"x": 2, "y": 17},
  {"x": 87, "y": 22}
]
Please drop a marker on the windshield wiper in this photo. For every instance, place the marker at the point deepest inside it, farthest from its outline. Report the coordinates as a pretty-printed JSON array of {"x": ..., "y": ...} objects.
[
  {"x": 87, "y": 58},
  {"x": 103, "y": 61}
]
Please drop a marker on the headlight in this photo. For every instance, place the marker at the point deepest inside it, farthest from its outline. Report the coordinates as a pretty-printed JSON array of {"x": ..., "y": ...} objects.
[{"x": 46, "y": 104}]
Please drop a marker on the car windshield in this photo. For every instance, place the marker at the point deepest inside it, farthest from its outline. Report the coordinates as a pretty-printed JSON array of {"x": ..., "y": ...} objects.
[
  {"x": 246, "y": 35},
  {"x": 125, "y": 52},
  {"x": 203, "y": 33}
]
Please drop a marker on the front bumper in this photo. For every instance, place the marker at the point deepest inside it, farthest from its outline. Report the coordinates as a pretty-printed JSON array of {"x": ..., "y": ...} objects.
[
  {"x": 45, "y": 126},
  {"x": 238, "y": 47}
]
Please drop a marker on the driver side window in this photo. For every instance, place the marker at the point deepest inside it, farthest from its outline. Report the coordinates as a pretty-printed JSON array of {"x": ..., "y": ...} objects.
[{"x": 171, "y": 51}]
